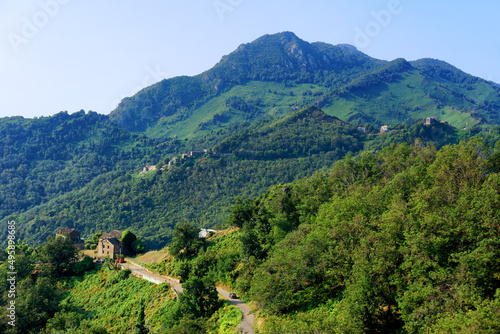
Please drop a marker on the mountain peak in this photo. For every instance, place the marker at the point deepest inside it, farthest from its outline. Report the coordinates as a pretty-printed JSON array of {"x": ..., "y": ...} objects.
[
  {"x": 348, "y": 47},
  {"x": 284, "y": 56},
  {"x": 279, "y": 73},
  {"x": 284, "y": 37}
]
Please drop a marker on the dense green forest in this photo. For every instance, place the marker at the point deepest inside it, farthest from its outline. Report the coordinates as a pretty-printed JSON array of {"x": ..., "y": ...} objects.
[
  {"x": 93, "y": 183},
  {"x": 401, "y": 241},
  {"x": 254, "y": 110},
  {"x": 199, "y": 188},
  {"x": 46, "y": 157}
]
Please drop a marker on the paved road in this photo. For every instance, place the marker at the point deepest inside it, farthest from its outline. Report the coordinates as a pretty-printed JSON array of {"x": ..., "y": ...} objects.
[
  {"x": 150, "y": 276},
  {"x": 247, "y": 319}
]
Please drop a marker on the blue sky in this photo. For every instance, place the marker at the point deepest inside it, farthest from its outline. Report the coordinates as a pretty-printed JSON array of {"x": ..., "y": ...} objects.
[{"x": 69, "y": 55}]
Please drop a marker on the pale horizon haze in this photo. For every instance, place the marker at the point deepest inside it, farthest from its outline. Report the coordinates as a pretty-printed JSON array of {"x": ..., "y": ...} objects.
[{"x": 68, "y": 55}]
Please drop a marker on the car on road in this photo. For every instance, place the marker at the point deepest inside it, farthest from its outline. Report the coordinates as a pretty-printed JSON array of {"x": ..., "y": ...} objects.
[{"x": 232, "y": 295}]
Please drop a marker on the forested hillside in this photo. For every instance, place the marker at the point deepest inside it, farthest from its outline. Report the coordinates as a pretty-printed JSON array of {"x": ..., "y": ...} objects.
[
  {"x": 256, "y": 112},
  {"x": 47, "y": 157},
  {"x": 331, "y": 223},
  {"x": 200, "y": 188},
  {"x": 94, "y": 187},
  {"x": 405, "y": 240}
]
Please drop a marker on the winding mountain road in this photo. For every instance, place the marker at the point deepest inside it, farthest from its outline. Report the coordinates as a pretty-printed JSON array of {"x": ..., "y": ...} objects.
[{"x": 139, "y": 271}]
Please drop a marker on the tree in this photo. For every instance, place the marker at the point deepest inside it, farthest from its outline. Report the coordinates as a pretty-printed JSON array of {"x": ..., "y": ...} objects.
[
  {"x": 138, "y": 246},
  {"x": 186, "y": 241},
  {"x": 92, "y": 243},
  {"x": 127, "y": 240},
  {"x": 199, "y": 297},
  {"x": 57, "y": 256},
  {"x": 241, "y": 212},
  {"x": 249, "y": 244},
  {"x": 37, "y": 303}
]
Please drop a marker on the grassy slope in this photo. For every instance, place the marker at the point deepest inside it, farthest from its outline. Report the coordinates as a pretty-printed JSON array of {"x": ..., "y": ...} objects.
[
  {"x": 260, "y": 94},
  {"x": 403, "y": 100},
  {"x": 411, "y": 96},
  {"x": 114, "y": 303}
]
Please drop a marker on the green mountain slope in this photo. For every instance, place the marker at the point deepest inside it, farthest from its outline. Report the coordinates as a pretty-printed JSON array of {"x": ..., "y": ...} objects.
[
  {"x": 300, "y": 134},
  {"x": 200, "y": 188},
  {"x": 277, "y": 74},
  {"x": 281, "y": 59},
  {"x": 44, "y": 158},
  {"x": 254, "y": 108}
]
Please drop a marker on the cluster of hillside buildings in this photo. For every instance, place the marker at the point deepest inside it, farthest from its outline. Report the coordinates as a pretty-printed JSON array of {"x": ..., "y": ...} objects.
[
  {"x": 385, "y": 128},
  {"x": 109, "y": 243},
  {"x": 150, "y": 168}
]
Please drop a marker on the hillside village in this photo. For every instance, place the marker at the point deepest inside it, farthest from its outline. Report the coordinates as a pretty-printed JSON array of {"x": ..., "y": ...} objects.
[
  {"x": 207, "y": 152},
  {"x": 172, "y": 161}
]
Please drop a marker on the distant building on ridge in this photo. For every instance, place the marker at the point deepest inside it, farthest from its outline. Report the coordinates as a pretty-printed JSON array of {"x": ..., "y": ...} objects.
[
  {"x": 430, "y": 120},
  {"x": 72, "y": 234}
]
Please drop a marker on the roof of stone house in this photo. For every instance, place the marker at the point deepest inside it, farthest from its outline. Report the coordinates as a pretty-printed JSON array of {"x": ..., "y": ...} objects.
[
  {"x": 113, "y": 241},
  {"x": 113, "y": 234},
  {"x": 66, "y": 230}
]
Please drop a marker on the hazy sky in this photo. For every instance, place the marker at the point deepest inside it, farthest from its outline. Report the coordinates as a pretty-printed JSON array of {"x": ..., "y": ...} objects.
[{"x": 86, "y": 54}]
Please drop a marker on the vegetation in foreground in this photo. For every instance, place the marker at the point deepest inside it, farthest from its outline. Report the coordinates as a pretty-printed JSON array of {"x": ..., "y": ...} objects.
[
  {"x": 67, "y": 293},
  {"x": 405, "y": 240}
]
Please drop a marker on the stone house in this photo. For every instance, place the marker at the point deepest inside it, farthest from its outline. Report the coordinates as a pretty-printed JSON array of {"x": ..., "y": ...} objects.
[
  {"x": 430, "y": 120},
  {"x": 148, "y": 168},
  {"x": 73, "y": 234},
  {"x": 109, "y": 245}
]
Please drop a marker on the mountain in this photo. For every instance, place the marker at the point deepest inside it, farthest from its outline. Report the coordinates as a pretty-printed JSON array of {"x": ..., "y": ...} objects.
[
  {"x": 279, "y": 73},
  {"x": 328, "y": 222},
  {"x": 271, "y": 63},
  {"x": 274, "y": 111}
]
